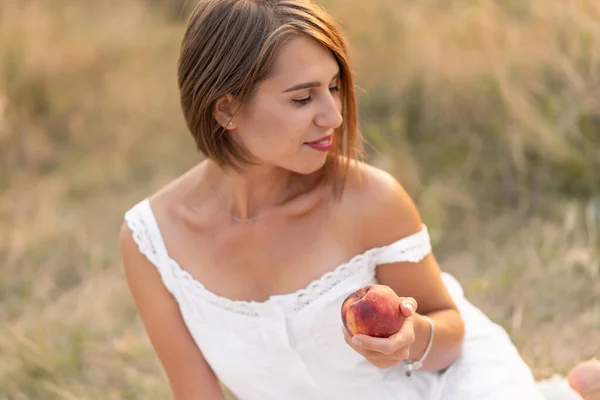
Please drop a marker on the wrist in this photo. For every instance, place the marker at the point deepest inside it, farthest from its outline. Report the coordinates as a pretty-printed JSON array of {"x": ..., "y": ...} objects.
[
  {"x": 422, "y": 330},
  {"x": 424, "y": 335}
]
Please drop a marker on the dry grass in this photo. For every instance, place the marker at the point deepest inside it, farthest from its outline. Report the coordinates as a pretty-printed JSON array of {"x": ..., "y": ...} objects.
[{"x": 488, "y": 112}]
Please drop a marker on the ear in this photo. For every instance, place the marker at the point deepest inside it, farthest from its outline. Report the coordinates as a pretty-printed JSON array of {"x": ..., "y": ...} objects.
[{"x": 224, "y": 111}]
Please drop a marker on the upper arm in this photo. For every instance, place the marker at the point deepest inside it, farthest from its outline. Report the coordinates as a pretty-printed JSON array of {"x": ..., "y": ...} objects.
[
  {"x": 390, "y": 214},
  {"x": 190, "y": 377}
]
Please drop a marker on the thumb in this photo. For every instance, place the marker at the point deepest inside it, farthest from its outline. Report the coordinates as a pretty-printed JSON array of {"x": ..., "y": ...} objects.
[{"x": 408, "y": 306}]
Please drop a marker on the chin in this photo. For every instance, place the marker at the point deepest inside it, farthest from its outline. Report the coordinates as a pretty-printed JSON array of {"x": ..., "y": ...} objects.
[{"x": 309, "y": 167}]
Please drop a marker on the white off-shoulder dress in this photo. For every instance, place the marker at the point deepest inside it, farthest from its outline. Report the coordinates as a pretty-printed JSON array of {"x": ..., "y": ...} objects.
[{"x": 291, "y": 347}]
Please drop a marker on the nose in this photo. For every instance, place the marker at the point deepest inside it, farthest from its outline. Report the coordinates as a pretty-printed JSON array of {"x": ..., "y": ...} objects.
[{"x": 329, "y": 115}]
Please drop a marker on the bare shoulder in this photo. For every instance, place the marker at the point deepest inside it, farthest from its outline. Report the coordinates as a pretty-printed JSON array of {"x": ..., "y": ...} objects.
[
  {"x": 140, "y": 273},
  {"x": 380, "y": 206},
  {"x": 189, "y": 374},
  {"x": 130, "y": 253},
  {"x": 162, "y": 199}
]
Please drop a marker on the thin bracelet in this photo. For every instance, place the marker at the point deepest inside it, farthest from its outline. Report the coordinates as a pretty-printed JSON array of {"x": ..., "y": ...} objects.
[{"x": 413, "y": 365}]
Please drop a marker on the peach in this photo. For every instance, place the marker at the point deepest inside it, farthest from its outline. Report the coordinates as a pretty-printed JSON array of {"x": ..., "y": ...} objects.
[
  {"x": 584, "y": 378},
  {"x": 372, "y": 310}
]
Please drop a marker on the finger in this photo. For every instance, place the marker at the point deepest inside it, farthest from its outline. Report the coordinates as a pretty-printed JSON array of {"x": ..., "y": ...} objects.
[
  {"x": 374, "y": 344},
  {"x": 408, "y": 306},
  {"x": 355, "y": 345},
  {"x": 388, "y": 346},
  {"x": 402, "y": 354},
  {"x": 347, "y": 336},
  {"x": 384, "y": 363},
  {"x": 399, "y": 355},
  {"x": 366, "y": 353},
  {"x": 406, "y": 335}
]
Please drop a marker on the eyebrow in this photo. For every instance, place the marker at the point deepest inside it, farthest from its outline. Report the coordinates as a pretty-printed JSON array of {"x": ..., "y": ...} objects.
[{"x": 308, "y": 85}]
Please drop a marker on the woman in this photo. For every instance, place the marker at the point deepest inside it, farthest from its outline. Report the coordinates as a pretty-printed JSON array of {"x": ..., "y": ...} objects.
[{"x": 239, "y": 267}]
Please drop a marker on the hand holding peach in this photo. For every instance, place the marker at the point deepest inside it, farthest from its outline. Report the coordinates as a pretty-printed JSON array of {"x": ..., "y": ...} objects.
[{"x": 378, "y": 324}]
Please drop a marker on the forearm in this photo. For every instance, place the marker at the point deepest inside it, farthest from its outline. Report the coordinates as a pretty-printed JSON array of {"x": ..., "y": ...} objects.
[
  {"x": 208, "y": 393},
  {"x": 447, "y": 340},
  {"x": 199, "y": 387}
]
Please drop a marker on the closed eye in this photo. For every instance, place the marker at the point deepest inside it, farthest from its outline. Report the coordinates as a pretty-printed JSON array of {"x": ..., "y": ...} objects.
[{"x": 305, "y": 101}]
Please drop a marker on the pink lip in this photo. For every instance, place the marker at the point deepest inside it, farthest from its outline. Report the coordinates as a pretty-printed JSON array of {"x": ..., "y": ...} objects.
[{"x": 323, "y": 144}]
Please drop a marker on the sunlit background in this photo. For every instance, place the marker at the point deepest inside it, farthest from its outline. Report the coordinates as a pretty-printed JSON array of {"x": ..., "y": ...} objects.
[{"x": 487, "y": 111}]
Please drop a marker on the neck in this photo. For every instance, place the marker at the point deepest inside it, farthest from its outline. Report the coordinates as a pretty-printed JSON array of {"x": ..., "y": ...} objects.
[{"x": 248, "y": 194}]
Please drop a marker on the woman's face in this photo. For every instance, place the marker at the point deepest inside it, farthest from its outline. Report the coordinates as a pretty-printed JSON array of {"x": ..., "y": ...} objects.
[{"x": 290, "y": 121}]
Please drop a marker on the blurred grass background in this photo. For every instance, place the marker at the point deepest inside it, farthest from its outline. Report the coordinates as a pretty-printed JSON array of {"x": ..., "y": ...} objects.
[{"x": 488, "y": 111}]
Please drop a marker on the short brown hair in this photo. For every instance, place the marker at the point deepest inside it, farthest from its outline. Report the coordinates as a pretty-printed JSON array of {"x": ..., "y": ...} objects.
[{"x": 230, "y": 46}]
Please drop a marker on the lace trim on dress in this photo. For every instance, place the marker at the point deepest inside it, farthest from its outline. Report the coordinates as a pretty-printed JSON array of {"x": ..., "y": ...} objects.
[
  {"x": 412, "y": 248},
  {"x": 141, "y": 236}
]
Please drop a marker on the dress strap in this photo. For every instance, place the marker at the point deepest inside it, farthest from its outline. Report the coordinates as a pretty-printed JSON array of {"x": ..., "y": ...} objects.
[
  {"x": 411, "y": 248},
  {"x": 147, "y": 236}
]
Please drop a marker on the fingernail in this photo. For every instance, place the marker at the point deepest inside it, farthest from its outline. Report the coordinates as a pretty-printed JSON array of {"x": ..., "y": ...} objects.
[
  {"x": 356, "y": 341},
  {"x": 409, "y": 306}
]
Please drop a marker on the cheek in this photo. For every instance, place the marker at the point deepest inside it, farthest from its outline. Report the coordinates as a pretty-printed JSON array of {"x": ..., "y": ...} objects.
[
  {"x": 289, "y": 117},
  {"x": 283, "y": 127},
  {"x": 275, "y": 129}
]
